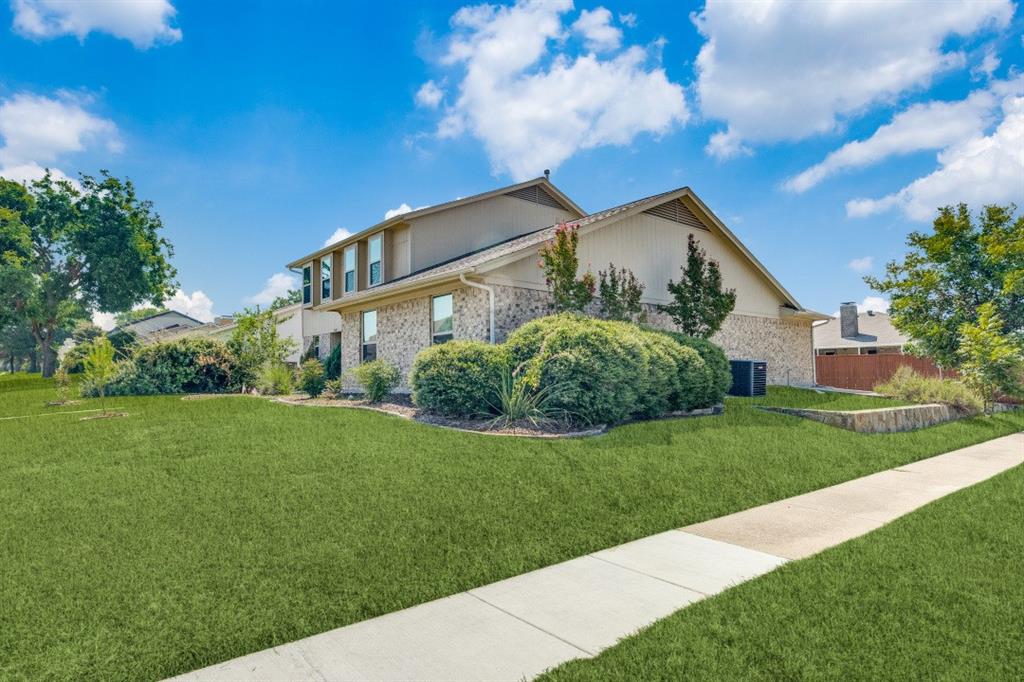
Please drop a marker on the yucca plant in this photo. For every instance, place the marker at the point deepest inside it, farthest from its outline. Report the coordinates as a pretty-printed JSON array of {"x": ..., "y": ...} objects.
[{"x": 515, "y": 400}]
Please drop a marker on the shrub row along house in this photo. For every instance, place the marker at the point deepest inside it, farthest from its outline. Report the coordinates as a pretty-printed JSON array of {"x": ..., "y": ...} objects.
[{"x": 468, "y": 269}]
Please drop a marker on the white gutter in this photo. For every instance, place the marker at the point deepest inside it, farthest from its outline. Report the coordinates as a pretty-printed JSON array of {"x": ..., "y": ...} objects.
[{"x": 490, "y": 298}]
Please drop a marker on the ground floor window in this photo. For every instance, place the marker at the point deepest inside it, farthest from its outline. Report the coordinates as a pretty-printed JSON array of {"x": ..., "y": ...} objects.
[
  {"x": 441, "y": 319},
  {"x": 369, "y": 335}
]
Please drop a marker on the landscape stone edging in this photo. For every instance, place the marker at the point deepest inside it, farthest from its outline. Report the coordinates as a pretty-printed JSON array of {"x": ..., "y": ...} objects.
[
  {"x": 877, "y": 420},
  {"x": 596, "y": 431}
]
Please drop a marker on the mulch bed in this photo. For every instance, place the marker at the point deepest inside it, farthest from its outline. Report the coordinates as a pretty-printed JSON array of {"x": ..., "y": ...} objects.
[{"x": 400, "y": 405}]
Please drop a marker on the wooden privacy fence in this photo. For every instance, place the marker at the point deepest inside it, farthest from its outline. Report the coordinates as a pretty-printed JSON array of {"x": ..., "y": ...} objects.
[{"x": 864, "y": 372}]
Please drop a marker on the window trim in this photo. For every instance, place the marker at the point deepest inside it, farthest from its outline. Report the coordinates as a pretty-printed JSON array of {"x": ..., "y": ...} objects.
[
  {"x": 434, "y": 334},
  {"x": 326, "y": 281},
  {"x": 354, "y": 250},
  {"x": 369, "y": 263},
  {"x": 363, "y": 343},
  {"x": 307, "y": 284}
]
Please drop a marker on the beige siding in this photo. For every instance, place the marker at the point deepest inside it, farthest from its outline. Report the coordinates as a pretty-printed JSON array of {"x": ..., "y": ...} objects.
[
  {"x": 396, "y": 252},
  {"x": 654, "y": 249},
  {"x": 441, "y": 236}
]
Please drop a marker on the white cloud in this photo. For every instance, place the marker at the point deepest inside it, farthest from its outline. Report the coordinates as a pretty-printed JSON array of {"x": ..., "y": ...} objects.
[
  {"x": 928, "y": 125},
  {"x": 533, "y": 108},
  {"x": 982, "y": 169},
  {"x": 403, "y": 208},
  {"x": 596, "y": 28},
  {"x": 786, "y": 70},
  {"x": 429, "y": 95},
  {"x": 37, "y": 131},
  {"x": 726, "y": 144},
  {"x": 143, "y": 22},
  {"x": 628, "y": 19},
  {"x": 278, "y": 284},
  {"x": 861, "y": 264},
  {"x": 104, "y": 321},
  {"x": 197, "y": 305},
  {"x": 989, "y": 63},
  {"x": 337, "y": 236},
  {"x": 870, "y": 303}
]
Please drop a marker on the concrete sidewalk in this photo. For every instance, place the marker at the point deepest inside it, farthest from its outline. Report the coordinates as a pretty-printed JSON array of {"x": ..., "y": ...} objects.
[{"x": 519, "y": 627}]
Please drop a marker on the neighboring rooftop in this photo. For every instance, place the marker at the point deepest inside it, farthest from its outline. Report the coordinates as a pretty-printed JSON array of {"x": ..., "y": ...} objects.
[
  {"x": 873, "y": 329},
  {"x": 160, "y": 322}
]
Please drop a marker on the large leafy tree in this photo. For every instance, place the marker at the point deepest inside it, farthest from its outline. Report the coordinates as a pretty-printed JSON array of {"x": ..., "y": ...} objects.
[
  {"x": 950, "y": 273},
  {"x": 699, "y": 303},
  {"x": 292, "y": 297},
  {"x": 67, "y": 250}
]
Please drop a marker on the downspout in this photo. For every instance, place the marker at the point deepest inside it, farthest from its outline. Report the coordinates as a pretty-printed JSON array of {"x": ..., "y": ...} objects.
[{"x": 490, "y": 299}]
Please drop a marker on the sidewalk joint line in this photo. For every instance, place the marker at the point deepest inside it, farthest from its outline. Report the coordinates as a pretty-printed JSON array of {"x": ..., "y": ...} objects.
[
  {"x": 648, "y": 575},
  {"x": 588, "y": 653}
]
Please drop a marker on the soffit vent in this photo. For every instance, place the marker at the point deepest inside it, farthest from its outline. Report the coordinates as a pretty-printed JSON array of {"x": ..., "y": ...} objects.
[
  {"x": 536, "y": 194},
  {"x": 677, "y": 212}
]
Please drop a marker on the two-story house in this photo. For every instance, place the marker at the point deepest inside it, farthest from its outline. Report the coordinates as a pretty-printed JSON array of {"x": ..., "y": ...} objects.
[{"x": 467, "y": 269}]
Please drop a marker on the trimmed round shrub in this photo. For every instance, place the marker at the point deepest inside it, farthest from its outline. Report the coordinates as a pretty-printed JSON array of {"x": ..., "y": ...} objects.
[
  {"x": 595, "y": 370},
  {"x": 689, "y": 374},
  {"x": 458, "y": 378},
  {"x": 719, "y": 378},
  {"x": 378, "y": 378},
  {"x": 191, "y": 365}
]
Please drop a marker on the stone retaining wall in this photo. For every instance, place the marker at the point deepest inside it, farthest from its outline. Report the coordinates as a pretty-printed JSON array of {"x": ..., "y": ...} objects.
[{"x": 881, "y": 420}]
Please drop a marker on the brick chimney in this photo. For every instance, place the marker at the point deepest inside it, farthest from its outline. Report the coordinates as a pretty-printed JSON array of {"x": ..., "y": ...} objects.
[{"x": 848, "y": 320}]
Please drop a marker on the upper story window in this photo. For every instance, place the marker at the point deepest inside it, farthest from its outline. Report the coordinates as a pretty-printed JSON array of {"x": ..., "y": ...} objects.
[
  {"x": 350, "y": 269},
  {"x": 325, "y": 278},
  {"x": 441, "y": 319},
  {"x": 307, "y": 284},
  {"x": 375, "y": 246},
  {"x": 369, "y": 335}
]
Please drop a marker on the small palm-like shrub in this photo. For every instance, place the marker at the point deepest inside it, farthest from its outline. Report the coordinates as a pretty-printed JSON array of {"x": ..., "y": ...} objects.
[
  {"x": 514, "y": 401},
  {"x": 378, "y": 379},
  {"x": 906, "y": 384},
  {"x": 311, "y": 378},
  {"x": 458, "y": 378}
]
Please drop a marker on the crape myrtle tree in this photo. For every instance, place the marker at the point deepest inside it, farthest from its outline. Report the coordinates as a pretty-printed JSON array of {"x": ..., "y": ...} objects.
[
  {"x": 559, "y": 262},
  {"x": 951, "y": 273},
  {"x": 699, "y": 304},
  {"x": 66, "y": 250}
]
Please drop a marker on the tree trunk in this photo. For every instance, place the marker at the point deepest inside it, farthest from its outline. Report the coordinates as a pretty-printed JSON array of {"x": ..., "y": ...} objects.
[
  {"x": 49, "y": 360},
  {"x": 33, "y": 365}
]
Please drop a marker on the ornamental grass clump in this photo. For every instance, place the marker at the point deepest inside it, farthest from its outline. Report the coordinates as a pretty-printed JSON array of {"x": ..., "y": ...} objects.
[{"x": 906, "y": 384}]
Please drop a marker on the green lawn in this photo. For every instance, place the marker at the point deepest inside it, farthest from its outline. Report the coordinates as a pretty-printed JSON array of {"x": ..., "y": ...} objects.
[
  {"x": 191, "y": 532},
  {"x": 935, "y": 595}
]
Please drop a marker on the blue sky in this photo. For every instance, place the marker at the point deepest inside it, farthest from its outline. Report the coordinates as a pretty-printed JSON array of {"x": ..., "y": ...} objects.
[{"x": 820, "y": 132}]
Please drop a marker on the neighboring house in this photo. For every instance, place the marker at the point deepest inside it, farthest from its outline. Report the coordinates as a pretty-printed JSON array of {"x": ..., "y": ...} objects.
[
  {"x": 296, "y": 322},
  {"x": 853, "y": 333},
  {"x": 158, "y": 327},
  {"x": 468, "y": 269}
]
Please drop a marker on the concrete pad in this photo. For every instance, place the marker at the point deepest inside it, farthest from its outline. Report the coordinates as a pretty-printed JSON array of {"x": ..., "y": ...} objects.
[
  {"x": 587, "y": 602},
  {"x": 784, "y": 529},
  {"x": 455, "y": 638},
  {"x": 691, "y": 561}
]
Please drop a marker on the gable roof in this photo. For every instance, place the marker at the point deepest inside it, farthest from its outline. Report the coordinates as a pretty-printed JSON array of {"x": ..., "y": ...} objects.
[
  {"x": 510, "y": 250},
  {"x": 874, "y": 329},
  {"x": 153, "y": 323},
  {"x": 545, "y": 194}
]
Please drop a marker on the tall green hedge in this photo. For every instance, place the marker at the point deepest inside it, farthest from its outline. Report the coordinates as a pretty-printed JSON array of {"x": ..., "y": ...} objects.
[
  {"x": 189, "y": 365},
  {"x": 596, "y": 371}
]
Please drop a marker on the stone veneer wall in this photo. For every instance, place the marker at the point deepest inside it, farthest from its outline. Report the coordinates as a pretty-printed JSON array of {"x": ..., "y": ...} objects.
[
  {"x": 403, "y": 329},
  {"x": 881, "y": 420}
]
